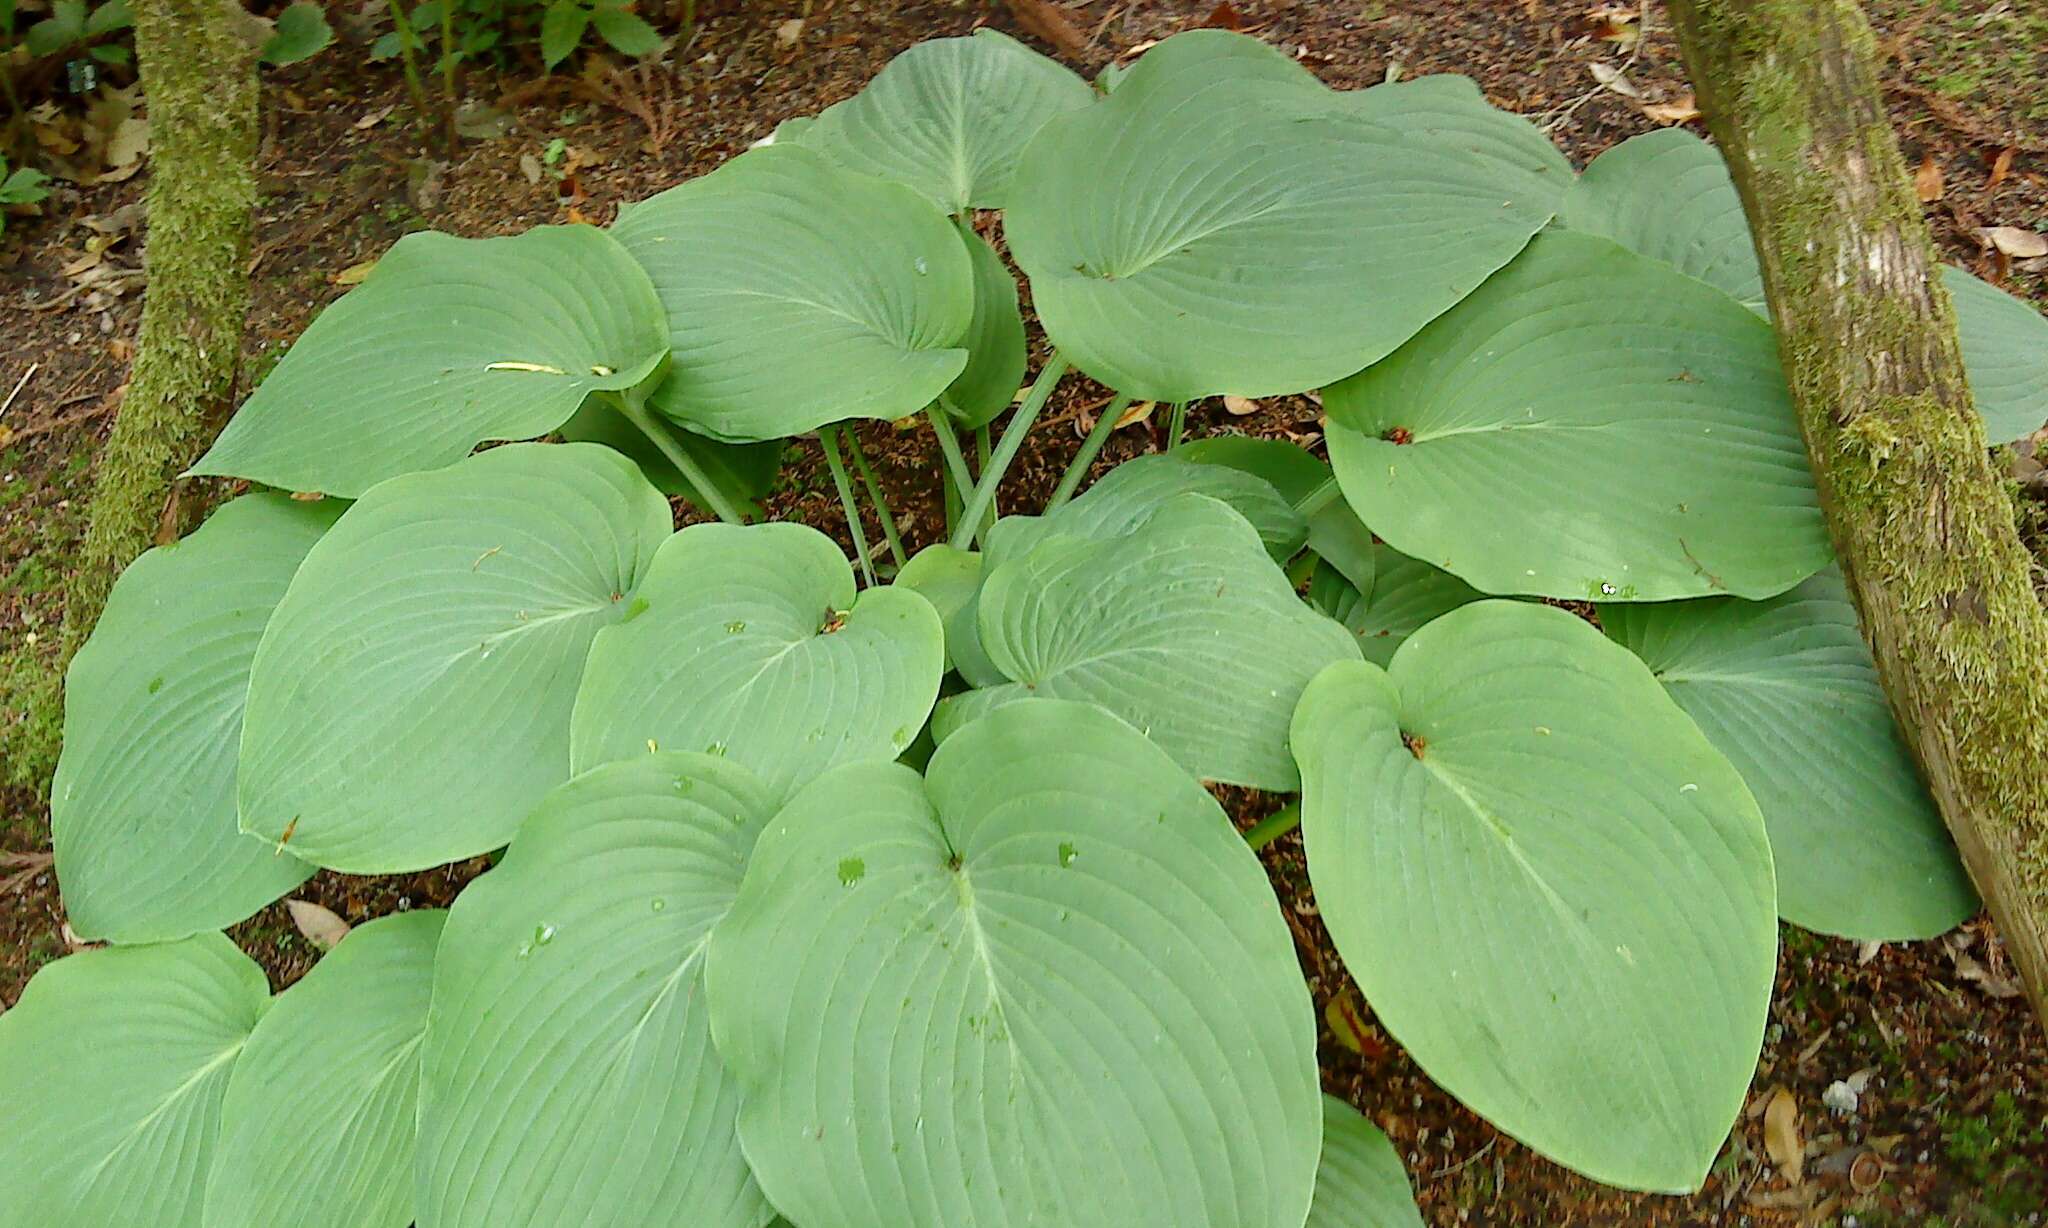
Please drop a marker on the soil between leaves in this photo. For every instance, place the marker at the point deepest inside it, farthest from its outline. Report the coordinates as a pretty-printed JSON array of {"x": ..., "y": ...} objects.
[{"x": 1955, "y": 1090}]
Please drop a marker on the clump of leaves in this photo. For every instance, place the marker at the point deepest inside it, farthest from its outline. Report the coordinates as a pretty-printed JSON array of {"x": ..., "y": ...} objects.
[
  {"x": 23, "y": 185},
  {"x": 831, "y": 902}
]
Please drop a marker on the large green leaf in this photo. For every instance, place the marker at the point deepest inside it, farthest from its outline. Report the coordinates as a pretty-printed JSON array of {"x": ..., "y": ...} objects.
[
  {"x": 1335, "y": 533},
  {"x": 948, "y": 118},
  {"x": 317, "y": 1129},
  {"x": 1129, "y": 494},
  {"x": 994, "y": 341},
  {"x": 1551, "y": 889},
  {"x": 449, "y": 343},
  {"x": 1787, "y": 690},
  {"x": 410, "y": 700},
  {"x": 142, "y": 811},
  {"x": 112, "y": 1068},
  {"x": 800, "y": 293},
  {"x": 2005, "y": 355},
  {"x": 1184, "y": 627},
  {"x": 1360, "y": 1183},
  {"x": 742, "y": 472},
  {"x": 1221, "y": 223},
  {"x": 1405, "y": 595},
  {"x": 1642, "y": 415},
  {"x": 569, "y": 1077},
  {"x": 951, "y": 580},
  {"x": 1047, "y": 984},
  {"x": 749, "y": 642},
  {"x": 1668, "y": 195}
]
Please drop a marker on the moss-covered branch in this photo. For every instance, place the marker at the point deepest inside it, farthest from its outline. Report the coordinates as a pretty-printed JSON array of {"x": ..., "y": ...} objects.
[
  {"x": 1920, "y": 519},
  {"x": 199, "y": 74}
]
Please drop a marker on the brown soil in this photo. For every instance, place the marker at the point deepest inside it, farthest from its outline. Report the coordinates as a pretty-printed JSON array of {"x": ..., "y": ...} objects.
[{"x": 1956, "y": 1107}]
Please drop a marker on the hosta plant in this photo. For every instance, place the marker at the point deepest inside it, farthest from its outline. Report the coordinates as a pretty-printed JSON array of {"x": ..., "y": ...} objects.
[{"x": 833, "y": 902}]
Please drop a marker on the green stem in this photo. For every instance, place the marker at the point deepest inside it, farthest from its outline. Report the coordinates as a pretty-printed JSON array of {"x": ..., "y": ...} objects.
[
  {"x": 1091, "y": 447},
  {"x": 1274, "y": 826},
  {"x": 981, "y": 455},
  {"x": 1006, "y": 451},
  {"x": 1177, "y": 425},
  {"x": 406, "y": 38},
  {"x": 957, "y": 478},
  {"x": 448, "y": 72},
  {"x": 829, "y": 436},
  {"x": 634, "y": 412},
  {"x": 881, "y": 501}
]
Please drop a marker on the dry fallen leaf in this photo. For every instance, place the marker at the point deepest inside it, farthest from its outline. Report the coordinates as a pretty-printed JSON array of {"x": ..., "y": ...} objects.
[
  {"x": 354, "y": 274},
  {"x": 1781, "y": 1135},
  {"x": 1140, "y": 411},
  {"x": 1684, "y": 110},
  {"x": 319, "y": 924},
  {"x": 1614, "y": 79},
  {"x": 2001, "y": 166},
  {"x": 1043, "y": 19},
  {"x": 1927, "y": 181},
  {"x": 1240, "y": 406},
  {"x": 789, "y": 31},
  {"x": 1970, "y": 970},
  {"x": 371, "y": 119},
  {"x": 1225, "y": 17},
  {"x": 2014, "y": 242}
]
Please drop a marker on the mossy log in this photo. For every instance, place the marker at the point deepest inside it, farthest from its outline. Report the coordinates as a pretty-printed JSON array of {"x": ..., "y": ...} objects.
[
  {"x": 1921, "y": 521},
  {"x": 198, "y": 68}
]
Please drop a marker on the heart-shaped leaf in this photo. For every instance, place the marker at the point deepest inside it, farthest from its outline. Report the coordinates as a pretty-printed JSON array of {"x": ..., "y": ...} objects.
[
  {"x": 748, "y": 642},
  {"x": 1787, "y": 690},
  {"x": 410, "y": 700},
  {"x": 800, "y": 293},
  {"x": 2005, "y": 355},
  {"x": 142, "y": 810},
  {"x": 1360, "y": 1183},
  {"x": 112, "y": 1068},
  {"x": 1498, "y": 826},
  {"x": 569, "y": 1075},
  {"x": 951, "y": 580},
  {"x": 1129, "y": 494},
  {"x": 1644, "y": 418},
  {"x": 1335, "y": 533},
  {"x": 449, "y": 343},
  {"x": 1222, "y": 223},
  {"x": 948, "y": 117},
  {"x": 1184, "y": 627},
  {"x": 317, "y": 1129},
  {"x": 741, "y": 472},
  {"x": 1048, "y": 983},
  {"x": 1405, "y": 595},
  {"x": 1667, "y": 195},
  {"x": 994, "y": 341}
]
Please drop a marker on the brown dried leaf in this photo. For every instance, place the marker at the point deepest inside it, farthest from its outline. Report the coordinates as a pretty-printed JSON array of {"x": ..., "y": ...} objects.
[
  {"x": 1048, "y": 21},
  {"x": 1614, "y": 79},
  {"x": 1927, "y": 181},
  {"x": 1684, "y": 110},
  {"x": 374, "y": 117},
  {"x": 2001, "y": 166},
  {"x": 1781, "y": 1135},
  {"x": 1140, "y": 411},
  {"x": 354, "y": 274},
  {"x": 789, "y": 32},
  {"x": 1225, "y": 17},
  {"x": 319, "y": 924},
  {"x": 2014, "y": 242},
  {"x": 1969, "y": 969},
  {"x": 1238, "y": 407}
]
